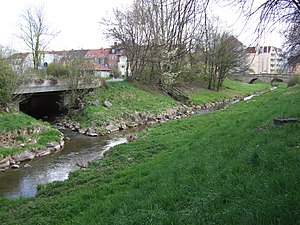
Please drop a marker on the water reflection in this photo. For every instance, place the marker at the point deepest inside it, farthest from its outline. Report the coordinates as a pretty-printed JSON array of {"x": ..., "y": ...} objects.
[{"x": 55, "y": 167}]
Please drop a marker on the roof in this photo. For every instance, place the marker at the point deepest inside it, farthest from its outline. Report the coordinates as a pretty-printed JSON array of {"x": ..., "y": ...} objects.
[
  {"x": 95, "y": 67},
  {"x": 266, "y": 49},
  {"x": 97, "y": 53},
  {"x": 99, "y": 67},
  {"x": 19, "y": 55},
  {"x": 251, "y": 50}
]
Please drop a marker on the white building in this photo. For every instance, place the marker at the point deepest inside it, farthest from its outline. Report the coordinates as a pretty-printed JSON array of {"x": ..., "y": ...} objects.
[
  {"x": 266, "y": 60},
  {"x": 122, "y": 64}
]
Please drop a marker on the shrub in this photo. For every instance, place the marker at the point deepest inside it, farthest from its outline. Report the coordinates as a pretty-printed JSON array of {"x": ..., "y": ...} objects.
[
  {"x": 7, "y": 83},
  {"x": 115, "y": 72},
  {"x": 38, "y": 81},
  {"x": 53, "y": 80},
  {"x": 57, "y": 70},
  {"x": 293, "y": 81}
]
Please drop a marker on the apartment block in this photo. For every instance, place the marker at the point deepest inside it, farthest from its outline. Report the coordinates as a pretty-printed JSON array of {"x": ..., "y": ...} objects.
[{"x": 266, "y": 60}]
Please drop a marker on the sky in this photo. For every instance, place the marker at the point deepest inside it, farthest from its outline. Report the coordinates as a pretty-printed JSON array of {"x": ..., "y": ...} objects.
[
  {"x": 246, "y": 31},
  {"x": 78, "y": 23}
]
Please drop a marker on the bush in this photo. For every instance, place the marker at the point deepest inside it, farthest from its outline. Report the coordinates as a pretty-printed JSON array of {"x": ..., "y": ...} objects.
[
  {"x": 293, "y": 81},
  {"x": 115, "y": 72},
  {"x": 57, "y": 70},
  {"x": 38, "y": 81},
  {"x": 7, "y": 83},
  {"x": 53, "y": 80}
]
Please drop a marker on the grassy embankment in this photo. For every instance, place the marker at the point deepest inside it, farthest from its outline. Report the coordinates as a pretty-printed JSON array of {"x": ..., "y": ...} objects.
[
  {"x": 19, "y": 125},
  {"x": 229, "y": 90},
  {"x": 127, "y": 99},
  {"x": 227, "y": 167}
]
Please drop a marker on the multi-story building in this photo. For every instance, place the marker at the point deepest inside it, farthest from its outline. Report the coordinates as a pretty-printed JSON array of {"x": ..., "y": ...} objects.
[
  {"x": 266, "y": 60},
  {"x": 104, "y": 62}
]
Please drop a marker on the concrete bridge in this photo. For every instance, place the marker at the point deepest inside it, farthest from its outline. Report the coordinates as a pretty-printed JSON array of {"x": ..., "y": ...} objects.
[
  {"x": 42, "y": 98},
  {"x": 250, "y": 78},
  {"x": 46, "y": 86}
]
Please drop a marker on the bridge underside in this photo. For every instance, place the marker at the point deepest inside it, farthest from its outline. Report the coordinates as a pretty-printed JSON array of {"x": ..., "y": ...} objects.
[{"x": 42, "y": 106}]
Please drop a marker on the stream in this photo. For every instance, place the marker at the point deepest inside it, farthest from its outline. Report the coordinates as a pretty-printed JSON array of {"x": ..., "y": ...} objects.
[{"x": 57, "y": 166}]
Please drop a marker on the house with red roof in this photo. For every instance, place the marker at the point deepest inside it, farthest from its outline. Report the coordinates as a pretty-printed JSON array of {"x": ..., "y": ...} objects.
[
  {"x": 104, "y": 62},
  {"x": 98, "y": 59}
]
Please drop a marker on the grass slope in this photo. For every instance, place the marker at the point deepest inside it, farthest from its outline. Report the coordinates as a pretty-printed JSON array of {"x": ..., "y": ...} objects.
[
  {"x": 125, "y": 99},
  {"x": 229, "y": 90},
  {"x": 228, "y": 167},
  {"x": 17, "y": 121}
]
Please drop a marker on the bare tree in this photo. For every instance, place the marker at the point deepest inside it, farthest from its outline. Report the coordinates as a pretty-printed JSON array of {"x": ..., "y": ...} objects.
[
  {"x": 293, "y": 44},
  {"x": 77, "y": 67},
  {"x": 272, "y": 13},
  {"x": 156, "y": 34},
  {"x": 35, "y": 32},
  {"x": 217, "y": 54}
]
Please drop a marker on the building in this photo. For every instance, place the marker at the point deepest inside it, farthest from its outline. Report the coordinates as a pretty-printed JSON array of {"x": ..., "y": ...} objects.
[
  {"x": 104, "y": 62},
  {"x": 98, "y": 59},
  {"x": 108, "y": 61},
  {"x": 266, "y": 60}
]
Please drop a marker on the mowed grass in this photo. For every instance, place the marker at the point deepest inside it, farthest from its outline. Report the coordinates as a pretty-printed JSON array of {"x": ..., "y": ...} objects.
[
  {"x": 227, "y": 167},
  {"x": 125, "y": 99},
  {"x": 229, "y": 90}
]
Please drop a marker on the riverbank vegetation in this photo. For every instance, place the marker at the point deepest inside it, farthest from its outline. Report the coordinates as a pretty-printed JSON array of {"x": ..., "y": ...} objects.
[
  {"x": 229, "y": 90},
  {"x": 8, "y": 82},
  {"x": 20, "y": 132},
  {"x": 127, "y": 100},
  {"x": 227, "y": 167}
]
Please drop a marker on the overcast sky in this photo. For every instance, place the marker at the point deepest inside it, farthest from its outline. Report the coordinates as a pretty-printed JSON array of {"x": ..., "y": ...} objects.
[{"x": 78, "y": 23}]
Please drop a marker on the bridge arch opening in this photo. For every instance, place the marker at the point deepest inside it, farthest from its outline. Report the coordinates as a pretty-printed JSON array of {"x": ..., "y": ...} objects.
[
  {"x": 275, "y": 80},
  {"x": 45, "y": 106},
  {"x": 253, "y": 80}
]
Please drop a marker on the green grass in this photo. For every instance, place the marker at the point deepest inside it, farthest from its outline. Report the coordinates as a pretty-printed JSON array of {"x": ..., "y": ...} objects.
[
  {"x": 13, "y": 122},
  {"x": 49, "y": 135},
  {"x": 229, "y": 90},
  {"x": 125, "y": 99},
  {"x": 227, "y": 167}
]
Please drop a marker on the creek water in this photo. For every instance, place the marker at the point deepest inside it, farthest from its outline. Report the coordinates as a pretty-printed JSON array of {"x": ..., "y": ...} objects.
[{"x": 57, "y": 166}]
